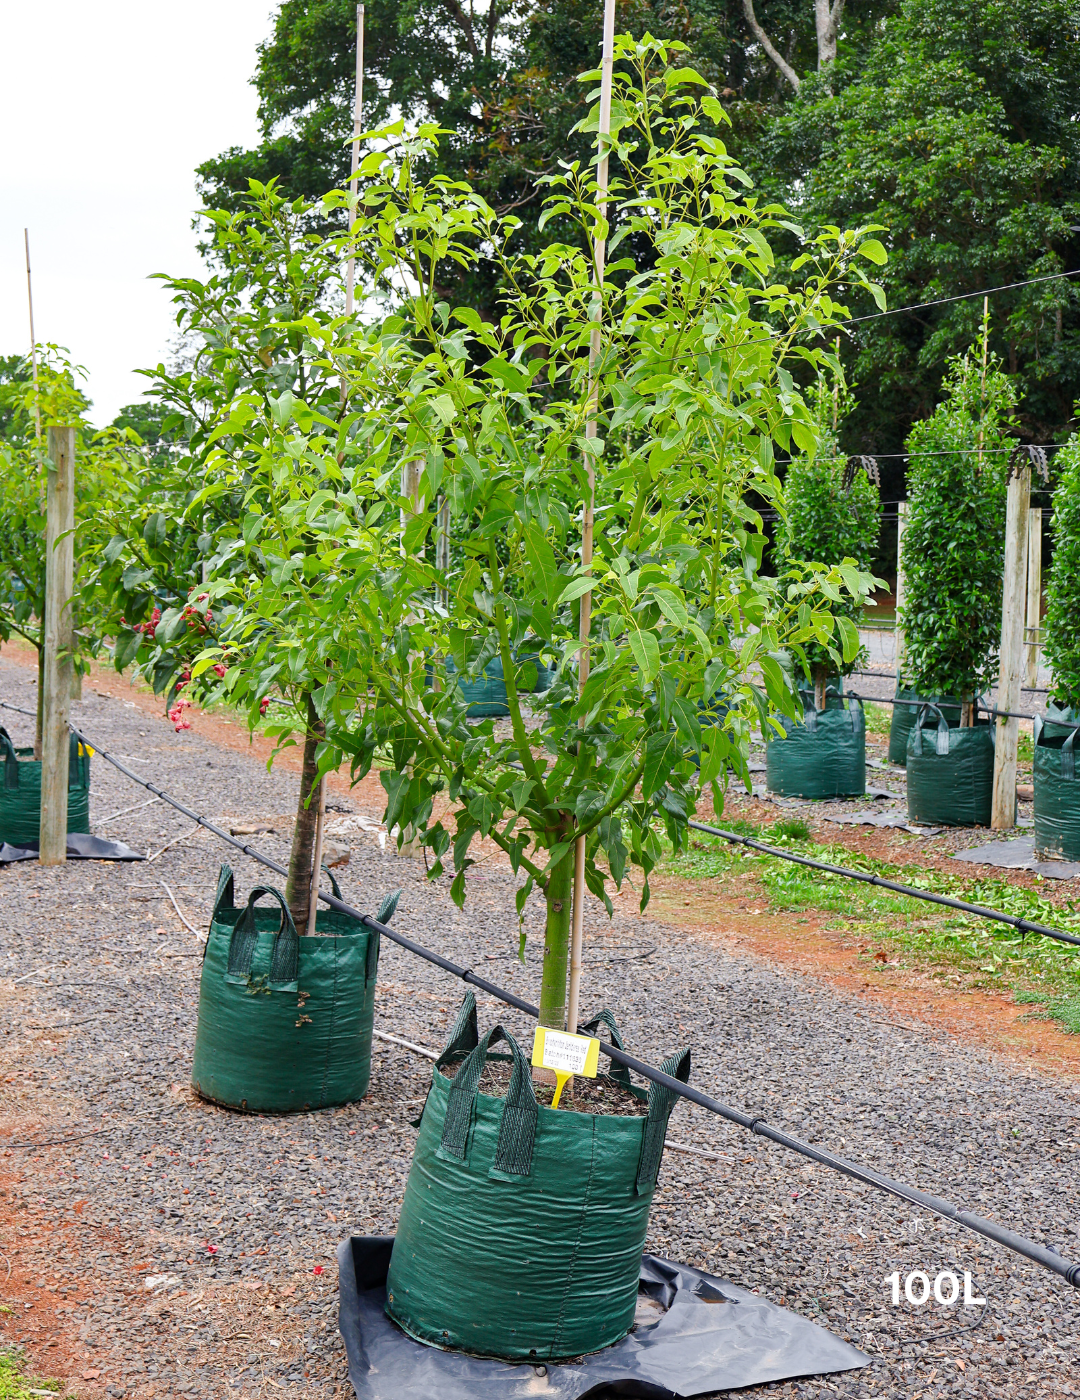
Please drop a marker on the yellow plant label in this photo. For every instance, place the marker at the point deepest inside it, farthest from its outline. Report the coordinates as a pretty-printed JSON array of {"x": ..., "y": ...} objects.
[{"x": 567, "y": 1055}]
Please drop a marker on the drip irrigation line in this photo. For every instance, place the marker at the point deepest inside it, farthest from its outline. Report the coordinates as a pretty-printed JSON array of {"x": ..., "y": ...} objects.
[
  {"x": 963, "y": 296},
  {"x": 1021, "y": 925},
  {"x": 1048, "y": 1258}
]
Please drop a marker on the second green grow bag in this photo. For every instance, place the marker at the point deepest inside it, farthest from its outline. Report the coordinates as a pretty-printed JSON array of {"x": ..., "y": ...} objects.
[
  {"x": 284, "y": 1022},
  {"x": 950, "y": 771},
  {"x": 907, "y": 706},
  {"x": 1057, "y": 788},
  {"x": 487, "y": 694},
  {"x": 522, "y": 1227},
  {"x": 825, "y": 756},
  {"x": 20, "y": 792}
]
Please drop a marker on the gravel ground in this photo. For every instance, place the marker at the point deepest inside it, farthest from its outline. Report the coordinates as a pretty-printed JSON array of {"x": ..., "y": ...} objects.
[{"x": 232, "y": 1221}]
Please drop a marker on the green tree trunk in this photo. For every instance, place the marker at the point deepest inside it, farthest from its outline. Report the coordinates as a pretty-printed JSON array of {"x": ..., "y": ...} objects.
[
  {"x": 298, "y": 886},
  {"x": 557, "y": 943}
]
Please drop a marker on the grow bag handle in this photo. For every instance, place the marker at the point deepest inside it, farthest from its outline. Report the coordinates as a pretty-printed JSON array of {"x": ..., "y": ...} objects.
[
  {"x": 942, "y": 731},
  {"x": 285, "y": 956},
  {"x": 226, "y": 892},
  {"x": 517, "y": 1130},
  {"x": 11, "y": 761},
  {"x": 78, "y": 763},
  {"x": 606, "y": 1018},
  {"x": 661, "y": 1102},
  {"x": 1068, "y": 756}
]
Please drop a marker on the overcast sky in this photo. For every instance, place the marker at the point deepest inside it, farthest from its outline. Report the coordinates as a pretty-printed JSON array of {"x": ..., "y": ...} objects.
[{"x": 106, "y": 110}]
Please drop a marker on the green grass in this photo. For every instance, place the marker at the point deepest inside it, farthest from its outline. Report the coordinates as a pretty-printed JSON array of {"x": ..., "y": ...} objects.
[
  {"x": 878, "y": 718},
  {"x": 15, "y": 1386},
  {"x": 1035, "y": 969}
]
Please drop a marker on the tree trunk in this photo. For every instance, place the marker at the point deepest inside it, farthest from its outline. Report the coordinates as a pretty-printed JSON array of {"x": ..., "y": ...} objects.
[
  {"x": 39, "y": 722},
  {"x": 827, "y": 20},
  {"x": 557, "y": 943},
  {"x": 298, "y": 887},
  {"x": 770, "y": 48},
  {"x": 967, "y": 707},
  {"x": 819, "y": 690}
]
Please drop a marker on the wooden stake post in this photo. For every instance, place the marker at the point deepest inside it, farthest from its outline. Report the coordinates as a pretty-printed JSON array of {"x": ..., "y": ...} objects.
[
  {"x": 604, "y": 132},
  {"x": 898, "y": 633},
  {"x": 59, "y": 637},
  {"x": 1003, "y": 810},
  {"x": 1033, "y": 634}
]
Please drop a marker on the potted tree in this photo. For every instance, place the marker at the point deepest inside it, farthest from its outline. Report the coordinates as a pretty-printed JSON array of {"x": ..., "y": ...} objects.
[
  {"x": 954, "y": 548},
  {"x": 654, "y": 390},
  {"x": 221, "y": 585},
  {"x": 832, "y": 517},
  {"x": 1057, "y": 790}
]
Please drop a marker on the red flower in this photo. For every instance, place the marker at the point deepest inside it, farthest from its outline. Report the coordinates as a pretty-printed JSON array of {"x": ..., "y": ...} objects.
[
  {"x": 264, "y": 704},
  {"x": 211, "y": 1249},
  {"x": 317, "y": 1269},
  {"x": 219, "y": 669}
]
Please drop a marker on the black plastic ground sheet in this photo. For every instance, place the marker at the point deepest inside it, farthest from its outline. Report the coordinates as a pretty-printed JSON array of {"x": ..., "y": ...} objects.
[
  {"x": 79, "y": 847},
  {"x": 695, "y": 1335}
]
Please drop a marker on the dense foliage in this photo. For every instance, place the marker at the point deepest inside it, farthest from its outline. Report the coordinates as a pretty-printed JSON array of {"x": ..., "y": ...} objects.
[
  {"x": 692, "y": 393},
  {"x": 950, "y": 122},
  {"x": 954, "y": 544},
  {"x": 1062, "y": 620},
  {"x": 833, "y": 516}
]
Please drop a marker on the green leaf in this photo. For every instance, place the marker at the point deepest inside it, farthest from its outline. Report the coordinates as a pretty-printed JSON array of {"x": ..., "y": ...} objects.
[
  {"x": 646, "y": 652},
  {"x": 874, "y": 250},
  {"x": 576, "y": 587},
  {"x": 661, "y": 751}
]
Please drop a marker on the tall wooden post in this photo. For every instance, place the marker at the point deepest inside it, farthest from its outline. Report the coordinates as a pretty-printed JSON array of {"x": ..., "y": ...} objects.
[
  {"x": 1003, "y": 809},
  {"x": 59, "y": 578},
  {"x": 1033, "y": 635},
  {"x": 901, "y": 599},
  {"x": 585, "y": 621}
]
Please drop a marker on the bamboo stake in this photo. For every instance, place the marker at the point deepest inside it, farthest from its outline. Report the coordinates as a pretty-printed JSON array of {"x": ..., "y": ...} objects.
[
  {"x": 354, "y": 165},
  {"x": 577, "y": 925},
  {"x": 33, "y": 341},
  {"x": 350, "y": 288},
  {"x": 901, "y": 591}
]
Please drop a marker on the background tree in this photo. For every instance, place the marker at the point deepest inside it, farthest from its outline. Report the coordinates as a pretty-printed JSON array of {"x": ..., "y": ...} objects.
[
  {"x": 100, "y": 468},
  {"x": 954, "y": 544},
  {"x": 833, "y": 516}
]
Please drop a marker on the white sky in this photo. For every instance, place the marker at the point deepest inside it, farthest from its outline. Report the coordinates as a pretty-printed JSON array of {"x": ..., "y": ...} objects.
[{"x": 107, "y": 108}]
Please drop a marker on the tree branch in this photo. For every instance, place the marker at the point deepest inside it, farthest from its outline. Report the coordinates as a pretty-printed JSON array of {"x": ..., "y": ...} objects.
[
  {"x": 464, "y": 23},
  {"x": 767, "y": 44},
  {"x": 827, "y": 18}
]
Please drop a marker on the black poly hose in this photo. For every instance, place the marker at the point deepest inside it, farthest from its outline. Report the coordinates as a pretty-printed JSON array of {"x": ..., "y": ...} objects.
[
  {"x": 1017, "y": 1243},
  {"x": 1022, "y": 925}
]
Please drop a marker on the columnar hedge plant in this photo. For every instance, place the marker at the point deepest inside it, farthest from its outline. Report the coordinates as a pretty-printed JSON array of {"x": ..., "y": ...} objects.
[
  {"x": 691, "y": 394},
  {"x": 833, "y": 516},
  {"x": 954, "y": 542},
  {"x": 1062, "y": 614}
]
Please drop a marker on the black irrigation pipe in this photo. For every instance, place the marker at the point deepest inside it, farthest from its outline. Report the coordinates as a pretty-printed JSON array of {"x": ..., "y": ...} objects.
[
  {"x": 1037, "y": 1253},
  {"x": 1021, "y": 925}
]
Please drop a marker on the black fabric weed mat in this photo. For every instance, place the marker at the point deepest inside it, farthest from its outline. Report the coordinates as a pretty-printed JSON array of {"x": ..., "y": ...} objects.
[
  {"x": 695, "y": 1335},
  {"x": 79, "y": 847}
]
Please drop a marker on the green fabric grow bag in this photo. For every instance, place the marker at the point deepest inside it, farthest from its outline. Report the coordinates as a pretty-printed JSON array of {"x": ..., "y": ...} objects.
[
  {"x": 1057, "y": 789},
  {"x": 20, "y": 792},
  {"x": 284, "y": 1022},
  {"x": 950, "y": 771},
  {"x": 903, "y": 718},
  {"x": 825, "y": 756},
  {"x": 487, "y": 695},
  {"x": 522, "y": 1228}
]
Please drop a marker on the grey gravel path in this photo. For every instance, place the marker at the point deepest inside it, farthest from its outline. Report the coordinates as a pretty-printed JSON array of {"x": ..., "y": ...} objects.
[{"x": 99, "y": 980}]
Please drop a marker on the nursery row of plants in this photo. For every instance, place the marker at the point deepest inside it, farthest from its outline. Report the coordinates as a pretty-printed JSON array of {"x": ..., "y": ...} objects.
[{"x": 349, "y": 520}]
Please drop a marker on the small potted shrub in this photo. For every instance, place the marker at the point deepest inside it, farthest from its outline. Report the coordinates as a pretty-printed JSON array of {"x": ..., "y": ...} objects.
[
  {"x": 502, "y": 416},
  {"x": 833, "y": 518},
  {"x": 1057, "y": 774},
  {"x": 954, "y": 551}
]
